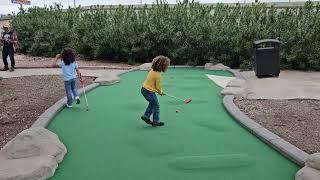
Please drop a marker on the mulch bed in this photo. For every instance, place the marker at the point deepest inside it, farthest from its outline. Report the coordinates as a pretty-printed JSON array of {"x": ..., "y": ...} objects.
[
  {"x": 297, "y": 121},
  {"x": 24, "y": 99}
]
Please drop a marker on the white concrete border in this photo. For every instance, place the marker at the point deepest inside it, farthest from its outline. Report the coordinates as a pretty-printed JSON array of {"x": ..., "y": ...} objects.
[
  {"x": 45, "y": 118},
  {"x": 293, "y": 153}
]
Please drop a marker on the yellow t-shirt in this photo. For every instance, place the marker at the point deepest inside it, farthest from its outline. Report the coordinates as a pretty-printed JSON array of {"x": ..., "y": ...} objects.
[{"x": 152, "y": 83}]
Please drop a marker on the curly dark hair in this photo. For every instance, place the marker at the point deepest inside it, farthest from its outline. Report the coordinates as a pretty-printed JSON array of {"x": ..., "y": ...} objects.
[
  {"x": 68, "y": 55},
  {"x": 160, "y": 63}
]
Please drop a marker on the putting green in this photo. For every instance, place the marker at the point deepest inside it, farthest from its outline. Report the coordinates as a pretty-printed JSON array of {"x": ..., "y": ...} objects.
[{"x": 200, "y": 142}]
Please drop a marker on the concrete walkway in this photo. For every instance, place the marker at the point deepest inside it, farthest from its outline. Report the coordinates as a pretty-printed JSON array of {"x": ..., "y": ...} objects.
[
  {"x": 289, "y": 85},
  {"x": 56, "y": 71}
]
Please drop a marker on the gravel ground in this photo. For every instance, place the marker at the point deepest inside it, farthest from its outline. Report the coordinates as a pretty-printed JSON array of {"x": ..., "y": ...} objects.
[
  {"x": 24, "y": 99},
  {"x": 30, "y": 61},
  {"x": 296, "y": 121}
]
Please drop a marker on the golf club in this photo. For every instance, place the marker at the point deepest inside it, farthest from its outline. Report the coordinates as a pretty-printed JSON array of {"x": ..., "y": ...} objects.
[
  {"x": 187, "y": 101},
  {"x": 84, "y": 92}
]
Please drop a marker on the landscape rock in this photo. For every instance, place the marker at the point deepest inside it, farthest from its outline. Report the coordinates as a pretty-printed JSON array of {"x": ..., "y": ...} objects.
[
  {"x": 32, "y": 168},
  {"x": 219, "y": 66},
  {"x": 145, "y": 67},
  {"x": 313, "y": 161},
  {"x": 232, "y": 91},
  {"x": 107, "y": 80},
  {"x": 34, "y": 142},
  {"x": 221, "y": 81},
  {"x": 307, "y": 173},
  {"x": 32, "y": 154},
  {"x": 237, "y": 83}
]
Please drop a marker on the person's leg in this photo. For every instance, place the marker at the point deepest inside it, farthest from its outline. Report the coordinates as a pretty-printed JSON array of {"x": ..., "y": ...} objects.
[
  {"x": 75, "y": 90},
  {"x": 11, "y": 55},
  {"x": 155, "y": 108},
  {"x": 4, "y": 58},
  {"x": 148, "y": 112},
  {"x": 68, "y": 92},
  {"x": 146, "y": 95}
]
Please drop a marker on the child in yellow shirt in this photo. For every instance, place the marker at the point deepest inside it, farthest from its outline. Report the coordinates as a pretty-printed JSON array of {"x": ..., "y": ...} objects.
[{"x": 151, "y": 86}]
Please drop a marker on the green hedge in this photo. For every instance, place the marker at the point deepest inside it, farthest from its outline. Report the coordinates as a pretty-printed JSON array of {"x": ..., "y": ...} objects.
[{"x": 188, "y": 33}]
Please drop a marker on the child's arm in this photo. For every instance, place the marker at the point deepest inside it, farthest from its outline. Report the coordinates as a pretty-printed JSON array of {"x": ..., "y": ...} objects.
[
  {"x": 158, "y": 86},
  {"x": 79, "y": 75},
  {"x": 1, "y": 39},
  {"x": 58, "y": 56}
]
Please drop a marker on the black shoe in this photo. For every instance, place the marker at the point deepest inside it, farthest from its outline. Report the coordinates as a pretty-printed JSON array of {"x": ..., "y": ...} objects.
[
  {"x": 77, "y": 100},
  {"x": 12, "y": 69},
  {"x": 4, "y": 69},
  {"x": 158, "y": 124},
  {"x": 146, "y": 120}
]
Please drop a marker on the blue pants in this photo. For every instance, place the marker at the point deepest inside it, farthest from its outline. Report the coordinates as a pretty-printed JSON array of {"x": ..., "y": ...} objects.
[
  {"x": 153, "y": 107},
  {"x": 71, "y": 90}
]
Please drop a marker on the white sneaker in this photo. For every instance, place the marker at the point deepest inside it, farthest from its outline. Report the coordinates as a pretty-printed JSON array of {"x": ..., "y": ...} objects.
[{"x": 68, "y": 106}]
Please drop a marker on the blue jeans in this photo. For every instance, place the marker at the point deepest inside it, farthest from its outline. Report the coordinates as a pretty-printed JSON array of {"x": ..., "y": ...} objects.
[
  {"x": 153, "y": 107},
  {"x": 71, "y": 89}
]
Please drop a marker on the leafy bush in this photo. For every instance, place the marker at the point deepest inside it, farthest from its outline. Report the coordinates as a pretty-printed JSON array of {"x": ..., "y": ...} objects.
[{"x": 189, "y": 32}]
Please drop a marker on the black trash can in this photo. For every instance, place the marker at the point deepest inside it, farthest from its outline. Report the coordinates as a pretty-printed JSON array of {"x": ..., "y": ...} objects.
[{"x": 266, "y": 56}]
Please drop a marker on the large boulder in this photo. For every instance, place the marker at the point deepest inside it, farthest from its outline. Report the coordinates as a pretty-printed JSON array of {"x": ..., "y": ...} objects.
[
  {"x": 32, "y": 154},
  {"x": 312, "y": 169},
  {"x": 307, "y": 173},
  {"x": 219, "y": 66},
  {"x": 33, "y": 168},
  {"x": 313, "y": 161},
  {"x": 34, "y": 142}
]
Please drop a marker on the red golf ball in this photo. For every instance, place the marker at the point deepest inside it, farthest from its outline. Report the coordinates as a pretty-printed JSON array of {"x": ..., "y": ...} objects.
[{"x": 177, "y": 111}]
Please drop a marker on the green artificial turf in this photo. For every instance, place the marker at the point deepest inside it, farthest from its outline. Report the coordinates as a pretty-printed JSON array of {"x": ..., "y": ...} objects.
[{"x": 201, "y": 142}]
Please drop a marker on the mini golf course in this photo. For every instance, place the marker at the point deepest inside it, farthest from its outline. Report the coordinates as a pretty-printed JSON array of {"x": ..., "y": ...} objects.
[{"x": 200, "y": 142}]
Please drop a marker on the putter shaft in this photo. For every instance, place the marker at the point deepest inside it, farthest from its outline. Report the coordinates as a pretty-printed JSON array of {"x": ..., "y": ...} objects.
[
  {"x": 175, "y": 97},
  {"x": 85, "y": 97}
]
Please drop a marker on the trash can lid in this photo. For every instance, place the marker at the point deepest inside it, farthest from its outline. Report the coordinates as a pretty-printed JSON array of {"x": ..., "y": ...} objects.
[{"x": 266, "y": 41}]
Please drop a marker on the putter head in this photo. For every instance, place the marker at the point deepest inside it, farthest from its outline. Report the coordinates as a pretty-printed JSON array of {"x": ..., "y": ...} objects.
[{"x": 188, "y": 100}]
